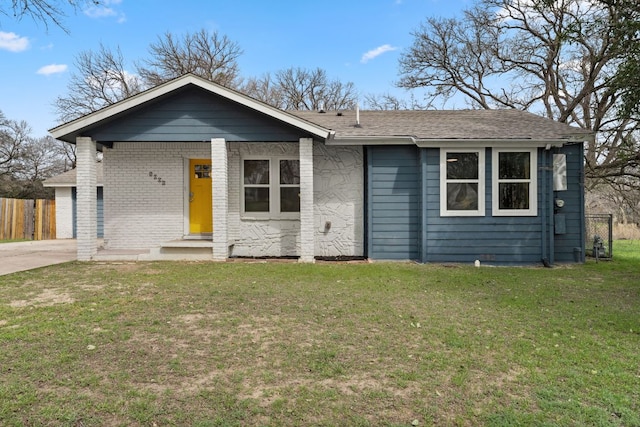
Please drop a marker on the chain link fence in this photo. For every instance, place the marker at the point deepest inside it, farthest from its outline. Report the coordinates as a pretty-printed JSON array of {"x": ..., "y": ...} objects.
[{"x": 599, "y": 236}]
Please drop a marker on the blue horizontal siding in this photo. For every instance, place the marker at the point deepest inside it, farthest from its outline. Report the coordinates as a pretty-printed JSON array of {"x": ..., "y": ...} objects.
[
  {"x": 395, "y": 206},
  {"x": 99, "y": 212},
  {"x": 398, "y": 200},
  {"x": 573, "y": 210},
  {"x": 497, "y": 240},
  {"x": 194, "y": 115}
]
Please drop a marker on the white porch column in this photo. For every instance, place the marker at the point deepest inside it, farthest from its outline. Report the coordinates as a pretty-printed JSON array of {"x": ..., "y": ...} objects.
[
  {"x": 307, "y": 238},
  {"x": 86, "y": 208},
  {"x": 220, "y": 195}
]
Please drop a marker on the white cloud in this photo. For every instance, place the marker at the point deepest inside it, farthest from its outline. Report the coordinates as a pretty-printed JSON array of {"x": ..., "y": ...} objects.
[
  {"x": 374, "y": 53},
  {"x": 104, "y": 10},
  {"x": 99, "y": 12},
  {"x": 47, "y": 70},
  {"x": 12, "y": 42}
]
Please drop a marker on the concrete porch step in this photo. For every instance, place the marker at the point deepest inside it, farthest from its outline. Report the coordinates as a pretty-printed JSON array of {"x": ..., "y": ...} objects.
[{"x": 181, "y": 250}]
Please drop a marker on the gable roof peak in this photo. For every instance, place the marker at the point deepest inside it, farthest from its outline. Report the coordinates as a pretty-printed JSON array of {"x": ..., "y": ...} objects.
[{"x": 68, "y": 131}]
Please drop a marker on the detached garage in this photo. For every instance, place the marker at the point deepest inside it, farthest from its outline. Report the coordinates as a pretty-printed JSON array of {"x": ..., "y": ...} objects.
[{"x": 66, "y": 197}]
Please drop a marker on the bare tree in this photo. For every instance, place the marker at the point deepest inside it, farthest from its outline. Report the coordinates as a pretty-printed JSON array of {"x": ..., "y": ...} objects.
[
  {"x": 515, "y": 54},
  {"x": 384, "y": 101},
  {"x": 38, "y": 161},
  {"x": 209, "y": 55},
  {"x": 264, "y": 89},
  {"x": 99, "y": 81},
  {"x": 13, "y": 135},
  {"x": 25, "y": 161},
  {"x": 101, "y": 78},
  {"x": 66, "y": 152},
  {"x": 624, "y": 30},
  {"x": 302, "y": 89},
  {"x": 43, "y": 11},
  {"x": 387, "y": 101}
]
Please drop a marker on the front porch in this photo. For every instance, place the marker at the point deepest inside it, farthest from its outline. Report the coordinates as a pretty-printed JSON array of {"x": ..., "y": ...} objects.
[
  {"x": 145, "y": 215},
  {"x": 181, "y": 250},
  {"x": 174, "y": 250},
  {"x": 286, "y": 202}
]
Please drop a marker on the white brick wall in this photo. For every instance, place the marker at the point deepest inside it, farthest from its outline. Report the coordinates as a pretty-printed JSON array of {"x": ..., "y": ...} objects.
[
  {"x": 259, "y": 237},
  {"x": 64, "y": 213},
  {"x": 338, "y": 197},
  {"x": 139, "y": 211}
]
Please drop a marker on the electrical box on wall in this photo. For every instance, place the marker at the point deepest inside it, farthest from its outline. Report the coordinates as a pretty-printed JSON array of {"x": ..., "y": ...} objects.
[{"x": 560, "y": 224}]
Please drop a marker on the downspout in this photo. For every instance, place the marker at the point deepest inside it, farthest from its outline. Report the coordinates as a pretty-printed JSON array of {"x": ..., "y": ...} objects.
[
  {"x": 369, "y": 204},
  {"x": 543, "y": 237},
  {"x": 583, "y": 222},
  {"x": 550, "y": 207},
  {"x": 548, "y": 255},
  {"x": 423, "y": 205}
]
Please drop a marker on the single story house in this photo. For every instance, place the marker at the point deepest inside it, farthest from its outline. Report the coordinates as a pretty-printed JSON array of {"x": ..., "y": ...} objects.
[
  {"x": 65, "y": 189},
  {"x": 193, "y": 166}
]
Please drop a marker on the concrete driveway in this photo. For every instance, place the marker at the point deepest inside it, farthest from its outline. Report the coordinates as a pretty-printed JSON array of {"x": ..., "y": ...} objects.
[{"x": 21, "y": 256}]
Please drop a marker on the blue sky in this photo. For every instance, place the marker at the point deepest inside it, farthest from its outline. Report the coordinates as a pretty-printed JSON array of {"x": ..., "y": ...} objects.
[{"x": 355, "y": 41}]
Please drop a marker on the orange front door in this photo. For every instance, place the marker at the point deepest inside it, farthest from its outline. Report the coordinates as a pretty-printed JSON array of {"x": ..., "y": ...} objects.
[{"x": 200, "y": 207}]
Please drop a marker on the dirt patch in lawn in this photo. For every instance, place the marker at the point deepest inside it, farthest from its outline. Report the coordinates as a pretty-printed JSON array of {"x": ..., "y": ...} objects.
[{"x": 46, "y": 298}]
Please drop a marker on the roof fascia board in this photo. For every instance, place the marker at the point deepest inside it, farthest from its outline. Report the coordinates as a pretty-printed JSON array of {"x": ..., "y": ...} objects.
[
  {"x": 452, "y": 143},
  {"x": 374, "y": 140},
  {"x": 65, "y": 185},
  {"x": 446, "y": 143},
  {"x": 172, "y": 85},
  {"x": 117, "y": 108}
]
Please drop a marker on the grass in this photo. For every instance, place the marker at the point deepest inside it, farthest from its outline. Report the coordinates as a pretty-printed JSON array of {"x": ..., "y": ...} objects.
[
  {"x": 248, "y": 344},
  {"x": 13, "y": 241}
]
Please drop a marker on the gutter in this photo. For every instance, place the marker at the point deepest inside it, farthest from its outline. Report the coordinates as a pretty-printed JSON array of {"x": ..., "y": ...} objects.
[{"x": 448, "y": 142}]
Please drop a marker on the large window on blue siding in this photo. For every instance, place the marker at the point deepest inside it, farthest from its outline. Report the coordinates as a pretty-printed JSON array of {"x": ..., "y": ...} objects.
[
  {"x": 514, "y": 182},
  {"x": 462, "y": 182}
]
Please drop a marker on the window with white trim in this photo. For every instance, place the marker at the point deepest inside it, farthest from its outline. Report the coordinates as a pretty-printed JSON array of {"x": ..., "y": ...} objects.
[
  {"x": 462, "y": 182},
  {"x": 289, "y": 173},
  {"x": 271, "y": 187},
  {"x": 514, "y": 188}
]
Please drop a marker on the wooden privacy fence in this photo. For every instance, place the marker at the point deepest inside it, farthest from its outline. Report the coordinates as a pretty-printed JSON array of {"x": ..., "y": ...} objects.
[{"x": 27, "y": 219}]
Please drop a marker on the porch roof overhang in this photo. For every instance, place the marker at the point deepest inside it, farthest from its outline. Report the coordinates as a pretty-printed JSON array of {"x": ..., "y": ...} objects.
[{"x": 81, "y": 127}]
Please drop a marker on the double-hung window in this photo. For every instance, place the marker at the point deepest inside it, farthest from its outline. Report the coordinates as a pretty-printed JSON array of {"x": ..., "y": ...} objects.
[
  {"x": 257, "y": 185},
  {"x": 462, "y": 182},
  {"x": 271, "y": 187},
  {"x": 289, "y": 173},
  {"x": 514, "y": 182}
]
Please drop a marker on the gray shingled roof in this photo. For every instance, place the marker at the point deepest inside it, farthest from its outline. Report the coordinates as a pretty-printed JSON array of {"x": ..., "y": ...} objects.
[
  {"x": 444, "y": 124},
  {"x": 68, "y": 179}
]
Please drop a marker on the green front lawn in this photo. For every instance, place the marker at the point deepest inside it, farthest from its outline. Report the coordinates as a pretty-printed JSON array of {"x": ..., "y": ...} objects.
[{"x": 248, "y": 344}]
